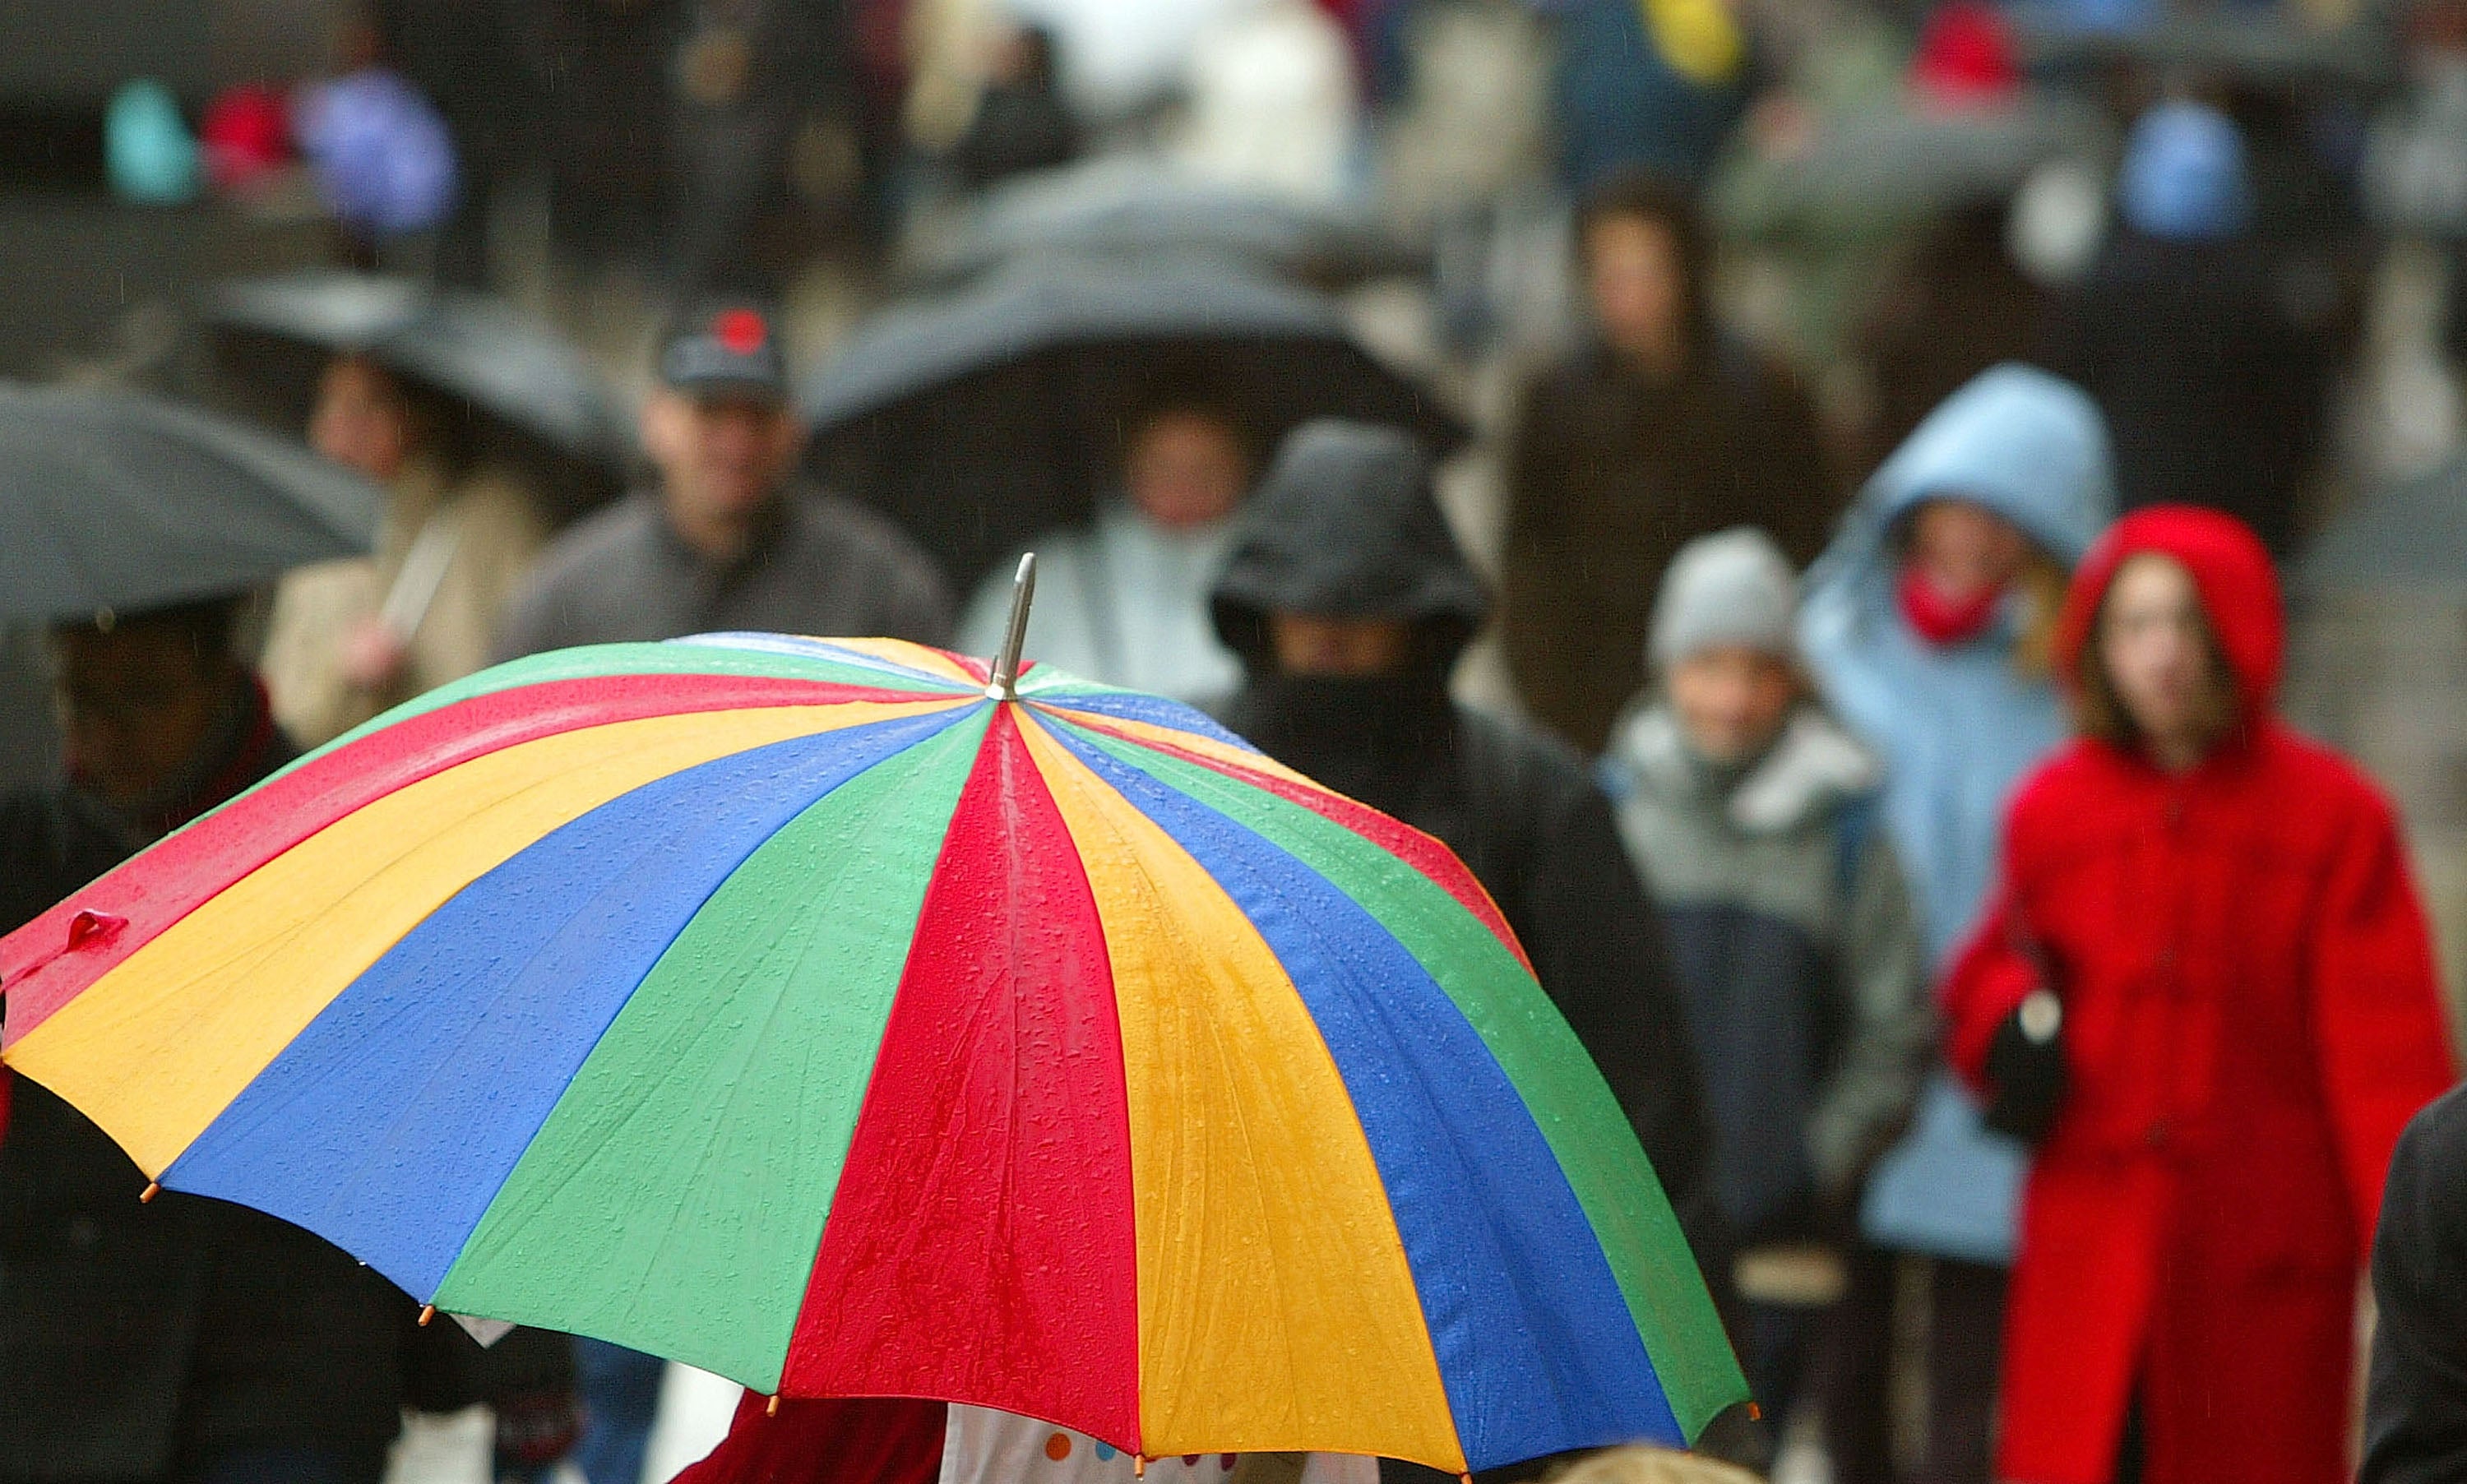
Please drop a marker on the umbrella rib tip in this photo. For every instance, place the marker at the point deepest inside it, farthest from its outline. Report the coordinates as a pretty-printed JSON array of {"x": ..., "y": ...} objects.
[
  {"x": 152, "y": 1189},
  {"x": 427, "y": 1312}
]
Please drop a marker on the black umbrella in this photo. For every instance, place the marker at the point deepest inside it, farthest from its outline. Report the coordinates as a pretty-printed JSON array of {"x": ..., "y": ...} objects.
[
  {"x": 1135, "y": 210},
  {"x": 117, "y": 501},
  {"x": 980, "y": 419},
  {"x": 274, "y": 335},
  {"x": 2409, "y": 534}
]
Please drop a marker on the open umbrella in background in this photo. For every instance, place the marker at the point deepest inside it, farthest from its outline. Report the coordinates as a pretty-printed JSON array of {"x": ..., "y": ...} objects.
[
  {"x": 1896, "y": 160},
  {"x": 2270, "y": 48},
  {"x": 1135, "y": 208},
  {"x": 540, "y": 405},
  {"x": 119, "y": 501},
  {"x": 980, "y": 419},
  {"x": 836, "y": 1017}
]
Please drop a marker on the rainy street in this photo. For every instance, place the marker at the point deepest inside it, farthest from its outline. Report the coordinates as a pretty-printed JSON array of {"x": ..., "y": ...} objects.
[{"x": 1278, "y": 741}]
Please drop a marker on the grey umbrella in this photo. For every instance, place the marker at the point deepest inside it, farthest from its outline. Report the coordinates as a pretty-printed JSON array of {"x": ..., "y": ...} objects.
[
  {"x": 2409, "y": 534},
  {"x": 470, "y": 347},
  {"x": 118, "y": 501},
  {"x": 1894, "y": 159},
  {"x": 1137, "y": 209},
  {"x": 980, "y": 418},
  {"x": 2264, "y": 50}
]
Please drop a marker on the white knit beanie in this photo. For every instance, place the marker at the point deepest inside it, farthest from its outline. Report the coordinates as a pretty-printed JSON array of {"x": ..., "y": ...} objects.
[{"x": 1733, "y": 587}]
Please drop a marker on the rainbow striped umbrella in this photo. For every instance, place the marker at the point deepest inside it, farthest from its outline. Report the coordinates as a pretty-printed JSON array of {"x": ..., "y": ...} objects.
[{"x": 819, "y": 1014}]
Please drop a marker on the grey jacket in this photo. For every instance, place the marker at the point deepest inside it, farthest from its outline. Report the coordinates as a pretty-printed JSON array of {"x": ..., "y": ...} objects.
[
  {"x": 823, "y": 567},
  {"x": 1796, "y": 952}
]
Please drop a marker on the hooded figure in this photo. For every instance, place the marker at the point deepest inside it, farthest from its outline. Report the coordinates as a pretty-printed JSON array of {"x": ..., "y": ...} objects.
[
  {"x": 2244, "y": 998},
  {"x": 1957, "y": 725},
  {"x": 1663, "y": 428},
  {"x": 1344, "y": 532},
  {"x": 2214, "y": 393},
  {"x": 1959, "y": 705}
]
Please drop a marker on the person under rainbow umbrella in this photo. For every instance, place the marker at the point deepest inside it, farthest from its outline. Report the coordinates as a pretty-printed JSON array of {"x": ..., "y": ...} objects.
[{"x": 852, "y": 1019}]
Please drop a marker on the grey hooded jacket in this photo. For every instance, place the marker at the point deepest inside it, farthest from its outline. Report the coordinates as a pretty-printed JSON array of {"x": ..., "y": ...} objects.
[{"x": 1798, "y": 954}]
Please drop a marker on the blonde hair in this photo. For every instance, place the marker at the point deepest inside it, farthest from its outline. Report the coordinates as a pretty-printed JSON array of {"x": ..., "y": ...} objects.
[
  {"x": 2041, "y": 585},
  {"x": 1639, "y": 1465}
]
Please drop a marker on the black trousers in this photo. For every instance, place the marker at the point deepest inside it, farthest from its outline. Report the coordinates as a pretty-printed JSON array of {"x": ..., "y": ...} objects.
[{"x": 1961, "y": 1346}]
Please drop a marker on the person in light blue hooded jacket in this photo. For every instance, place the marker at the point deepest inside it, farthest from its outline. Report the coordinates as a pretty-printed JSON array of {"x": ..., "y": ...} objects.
[{"x": 1926, "y": 627}]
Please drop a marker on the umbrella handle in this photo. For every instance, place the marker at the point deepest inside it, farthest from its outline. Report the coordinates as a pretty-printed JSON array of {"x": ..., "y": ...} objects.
[{"x": 1004, "y": 685}]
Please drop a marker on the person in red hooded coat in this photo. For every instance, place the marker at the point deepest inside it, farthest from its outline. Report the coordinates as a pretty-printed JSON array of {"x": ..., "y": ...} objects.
[{"x": 2205, "y": 990}]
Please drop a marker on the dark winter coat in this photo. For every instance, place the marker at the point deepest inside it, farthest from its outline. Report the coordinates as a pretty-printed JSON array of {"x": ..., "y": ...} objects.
[
  {"x": 1955, "y": 304},
  {"x": 1351, "y": 530},
  {"x": 822, "y": 566},
  {"x": 600, "y": 68},
  {"x": 1792, "y": 933},
  {"x": 2212, "y": 393},
  {"x": 1019, "y": 126},
  {"x": 2415, "y": 1415},
  {"x": 134, "y": 1337},
  {"x": 2250, "y": 1018},
  {"x": 1609, "y": 475}
]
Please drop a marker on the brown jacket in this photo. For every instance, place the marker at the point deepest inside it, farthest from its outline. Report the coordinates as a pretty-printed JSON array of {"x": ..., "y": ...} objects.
[
  {"x": 1609, "y": 475},
  {"x": 483, "y": 530}
]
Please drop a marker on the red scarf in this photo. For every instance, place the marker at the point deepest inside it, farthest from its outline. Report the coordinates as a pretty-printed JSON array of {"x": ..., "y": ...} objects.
[{"x": 1944, "y": 621}]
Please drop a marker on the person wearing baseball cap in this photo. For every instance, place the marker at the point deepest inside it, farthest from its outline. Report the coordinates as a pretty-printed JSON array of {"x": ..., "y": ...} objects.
[{"x": 727, "y": 536}]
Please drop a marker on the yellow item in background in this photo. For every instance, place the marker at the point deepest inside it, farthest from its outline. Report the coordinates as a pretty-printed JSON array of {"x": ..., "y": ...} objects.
[{"x": 1699, "y": 39}]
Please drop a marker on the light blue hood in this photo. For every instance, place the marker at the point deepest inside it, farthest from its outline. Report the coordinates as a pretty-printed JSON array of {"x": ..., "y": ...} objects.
[
  {"x": 2028, "y": 445},
  {"x": 1957, "y": 727}
]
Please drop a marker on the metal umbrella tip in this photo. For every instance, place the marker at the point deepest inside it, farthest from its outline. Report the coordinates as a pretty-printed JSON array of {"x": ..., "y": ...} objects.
[
  {"x": 152, "y": 1189},
  {"x": 1004, "y": 685},
  {"x": 427, "y": 1312}
]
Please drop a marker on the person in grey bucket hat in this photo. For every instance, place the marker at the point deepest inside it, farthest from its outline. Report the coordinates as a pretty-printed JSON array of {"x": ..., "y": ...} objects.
[{"x": 1751, "y": 814}]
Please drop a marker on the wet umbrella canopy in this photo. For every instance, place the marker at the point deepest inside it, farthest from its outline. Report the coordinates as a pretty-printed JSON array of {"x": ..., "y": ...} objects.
[
  {"x": 1127, "y": 208},
  {"x": 111, "y": 500},
  {"x": 274, "y": 335},
  {"x": 981, "y": 419},
  {"x": 849, "y": 1020}
]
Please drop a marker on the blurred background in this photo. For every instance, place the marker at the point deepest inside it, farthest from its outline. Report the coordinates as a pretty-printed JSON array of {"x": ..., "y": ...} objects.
[{"x": 1315, "y": 203}]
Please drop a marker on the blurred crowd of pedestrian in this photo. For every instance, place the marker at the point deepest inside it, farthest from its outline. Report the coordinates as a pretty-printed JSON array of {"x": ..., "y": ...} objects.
[{"x": 1814, "y": 549}]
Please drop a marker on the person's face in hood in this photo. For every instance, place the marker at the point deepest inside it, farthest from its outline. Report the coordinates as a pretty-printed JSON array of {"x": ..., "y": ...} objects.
[
  {"x": 1187, "y": 469},
  {"x": 1636, "y": 274},
  {"x": 1965, "y": 551},
  {"x": 2161, "y": 661},
  {"x": 1339, "y": 649},
  {"x": 137, "y": 704}
]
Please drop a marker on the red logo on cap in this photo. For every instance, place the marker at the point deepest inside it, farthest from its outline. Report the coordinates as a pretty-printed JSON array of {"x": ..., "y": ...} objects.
[{"x": 740, "y": 331}]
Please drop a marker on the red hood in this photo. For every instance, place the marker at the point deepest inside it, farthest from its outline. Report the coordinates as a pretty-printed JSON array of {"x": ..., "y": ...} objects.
[{"x": 2238, "y": 585}]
